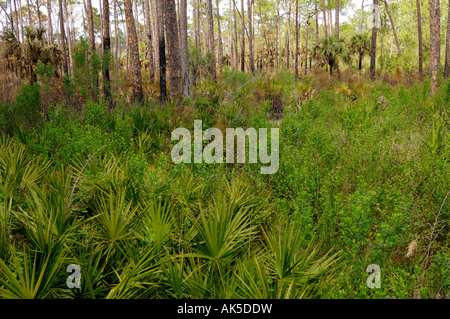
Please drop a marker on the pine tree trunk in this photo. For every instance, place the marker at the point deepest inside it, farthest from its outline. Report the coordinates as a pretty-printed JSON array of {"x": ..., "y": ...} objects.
[
  {"x": 211, "y": 46},
  {"x": 288, "y": 53},
  {"x": 235, "y": 36},
  {"x": 373, "y": 48},
  {"x": 317, "y": 21},
  {"x": 162, "y": 51},
  {"x": 106, "y": 51},
  {"x": 296, "y": 39},
  {"x": 231, "y": 36},
  {"x": 69, "y": 37},
  {"x": 38, "y": 6},
  {"x": 336, "y": 4},
  {"x": 243, "y": 38},
  {"x": 220, "y": 36},
  {"x": 173, "y": 48},
  {"x": 435, "y": 43},
  {"x": 29, "y": 12},
  {"x": 324, "y": 18},
  {"x": 393, "y": 28},
  {"x": 447, "y": 47},
  {"x": 155, "y": 35},
  {"x": 63, "y": 37},
  {"x": 138, "y": 95},
  {"x": 278, "y": 41},
  {"x": 184, "y": 47},
  {"x": 90, "y": 19},
  {"x": 50, "y": 27},
  {"x": 306, "y": 47},
  {"x": 250, "y": 36},
  {"x": 419, "y": 34}
]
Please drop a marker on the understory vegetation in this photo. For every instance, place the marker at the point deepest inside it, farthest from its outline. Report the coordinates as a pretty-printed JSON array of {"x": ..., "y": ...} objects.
[{"x": 363, "y": 179}]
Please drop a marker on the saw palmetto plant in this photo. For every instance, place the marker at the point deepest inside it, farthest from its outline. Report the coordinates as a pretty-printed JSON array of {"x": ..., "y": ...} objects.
[{"x": 24, "y": 56}]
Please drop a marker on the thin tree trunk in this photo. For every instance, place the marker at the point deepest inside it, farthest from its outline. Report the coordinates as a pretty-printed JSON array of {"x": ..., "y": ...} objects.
[
  {"x": 296, "y": 39},
  {"x": 288, "y": 53},
  {"x": 162, "y": 51},
  {"x": 336, "y": 4},
  {"x": 306, "y": 47},
  {"x": 435, "y": 43},
  {"x": 173, "y": 48},
  {"x": 220, "y": 36},
  {"x": 373, "y": 48},
  {"x": 393, "y": 28},
  {"x": 106, "y": 51},
  {"x": 447, "y": 47},
  {"x": 21, "y": 20},
  {"x": 69, "y": 37},
  {"x": 250, "y": 36},
  {"x": 155, "y": 32},
  {"x": 138, "y": 95},
  {"x": 63, "y": 37},
  {"x": 235, "y": 37},
  {"x": 116, "y": 35},
  {"x": 419, "y": 33},
  {"x": 324, "y": 18},
  {"x": 316, "y": 13},
  {"x": 50, "y": 27},
  {"x": 231, "y": 35},
  {"x": 184, "y": 48},
  {"x": 278, "y": 41},
  {"x": 29, "y": 12},
  {"x": 90, "y": 19},
  {"x": 243, "y": 38},
  {"x": 211, "y": 46},
  {"x": 38, "y": 6}
]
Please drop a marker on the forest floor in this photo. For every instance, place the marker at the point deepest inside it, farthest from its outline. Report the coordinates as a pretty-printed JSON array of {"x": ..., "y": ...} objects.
[{"x": 363, "y": 179}]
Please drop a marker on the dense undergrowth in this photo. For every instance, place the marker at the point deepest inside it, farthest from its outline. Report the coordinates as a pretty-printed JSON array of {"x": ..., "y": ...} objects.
[{"x": 363, "y": 178}]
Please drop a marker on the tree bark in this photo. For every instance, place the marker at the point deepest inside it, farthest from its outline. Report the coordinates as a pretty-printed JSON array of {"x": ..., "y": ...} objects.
[
  {"x": 336, "y": 4},
  {"x": 235, "y": 36},
  {"x": 69, "y": 38},
  {"x": 393, "y": 28},
  {"x": 306, "y": 47},
  {"x": 250, "y": 38},
  {"x": 173, "y": 48},
  {"x": 184, "y": 48},
  {"x": 63, "y": 37},
  {"x": 162, "y": 51},
  {"x": 296, "y": 39},
  {"x": 324, "y": 18},
  {"x": 288, "y": 53},
  {"x": 106, "y": 51},
  {"x": 435, "y": 43},
  {"x": 317, "y": 21},
  {"x": 447, "y": 47},
  {"x": 419, "y": 34},
  {"x": 211, "y": 46},
  {"x": 148, "y": 34},
  {"x": 373, "y": 48},
  {"x": 50, "y": 27},
  {"x": 90, "y": 19},
  {"x": 220, "y": 57},
  {"x": 243, "y": 38},
  {"x": 138, "y": 95},
  {"x": 155, "y": 35}
]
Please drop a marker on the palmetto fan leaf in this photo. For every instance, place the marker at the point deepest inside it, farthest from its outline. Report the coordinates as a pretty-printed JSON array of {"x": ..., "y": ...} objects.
[
  {"x": 28, "y": 274},
  {"x": 223, "y": 230}
]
